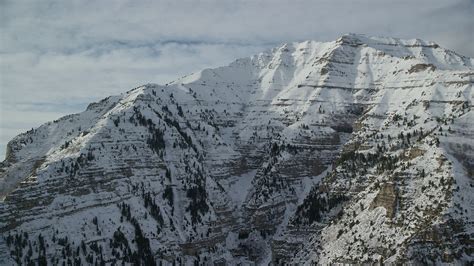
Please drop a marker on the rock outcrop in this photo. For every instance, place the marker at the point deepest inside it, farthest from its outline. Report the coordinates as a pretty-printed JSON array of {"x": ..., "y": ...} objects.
[{"x": 386, "y": 198}]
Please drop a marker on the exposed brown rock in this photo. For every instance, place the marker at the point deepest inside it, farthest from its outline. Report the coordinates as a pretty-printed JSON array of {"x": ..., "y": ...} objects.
[
  {"x": 413, "y": 153},
  {"x": 387, "y": 198}
]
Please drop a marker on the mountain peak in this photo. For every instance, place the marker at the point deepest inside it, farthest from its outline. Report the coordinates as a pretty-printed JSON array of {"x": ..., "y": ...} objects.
[
  {"x": 327, "y": 152},
  {"x": 368, "y": 40}
]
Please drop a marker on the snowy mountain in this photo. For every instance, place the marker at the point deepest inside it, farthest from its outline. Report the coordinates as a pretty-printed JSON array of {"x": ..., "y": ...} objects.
[{"x": 351, "y": 151}]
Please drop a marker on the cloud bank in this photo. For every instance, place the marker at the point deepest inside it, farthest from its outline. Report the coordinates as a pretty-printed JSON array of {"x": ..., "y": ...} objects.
[{"x": 57, "y": 56}]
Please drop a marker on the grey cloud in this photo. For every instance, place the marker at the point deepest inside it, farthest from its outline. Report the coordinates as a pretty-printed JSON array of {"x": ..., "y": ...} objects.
[{"x": 77, "y": 24}]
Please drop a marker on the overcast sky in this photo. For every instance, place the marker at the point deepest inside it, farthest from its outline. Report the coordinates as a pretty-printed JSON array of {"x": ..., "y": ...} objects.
[{"x": 58, "y": 56}]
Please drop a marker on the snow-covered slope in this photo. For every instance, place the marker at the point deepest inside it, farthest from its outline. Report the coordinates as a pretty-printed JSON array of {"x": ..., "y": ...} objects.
[{"x": 357, "y": 150}]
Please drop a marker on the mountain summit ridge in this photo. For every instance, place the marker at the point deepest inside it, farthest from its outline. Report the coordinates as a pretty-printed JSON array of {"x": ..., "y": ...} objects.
[{"x": 351, "y": 151}]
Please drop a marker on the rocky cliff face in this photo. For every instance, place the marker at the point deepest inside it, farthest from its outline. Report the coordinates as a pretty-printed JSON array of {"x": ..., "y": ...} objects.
[{"x": 357, "y": 150}]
